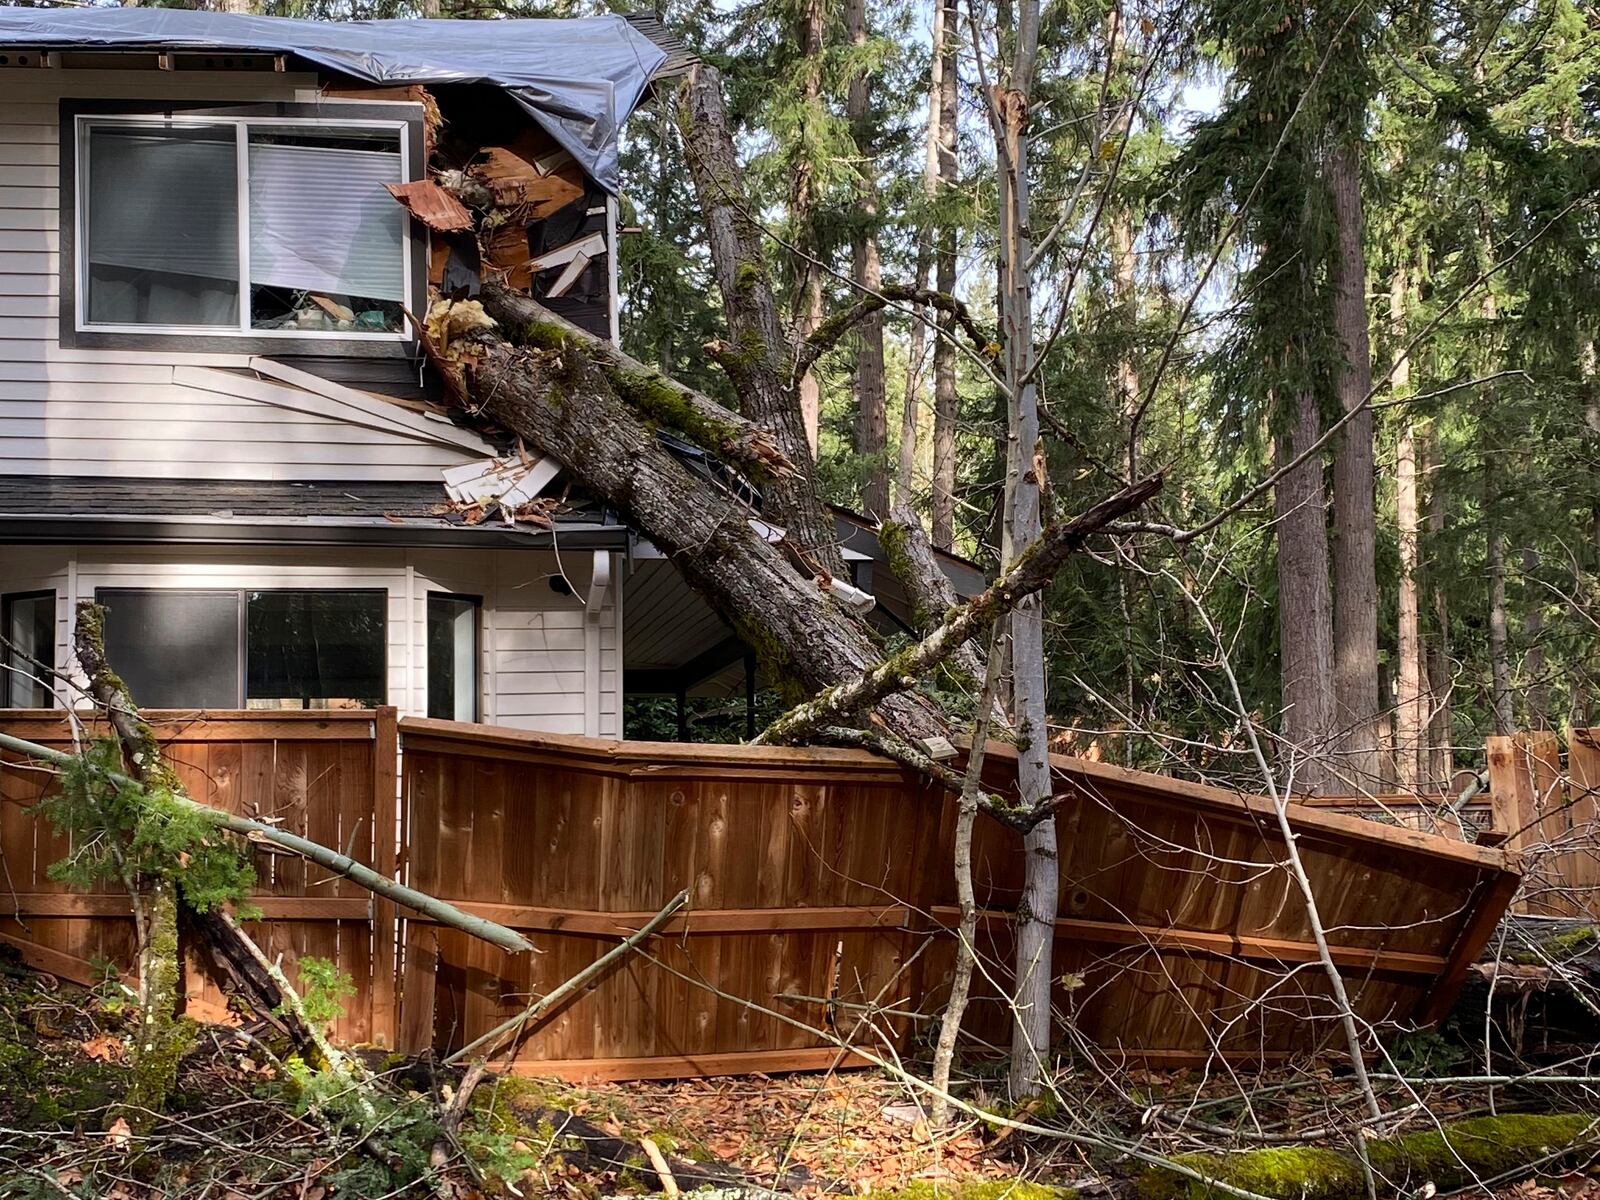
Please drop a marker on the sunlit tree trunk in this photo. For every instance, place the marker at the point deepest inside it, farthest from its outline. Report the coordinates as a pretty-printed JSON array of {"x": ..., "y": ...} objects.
[
  {"x": 946, "y": 403},
  {"x": 1536, "y": 696},
  {"x": 1036, "y": 911},
  {"x": 1355, "y": 579},
  {"x": 807, "y": 302},
  {"x": 1442, "y": 759},
  {"x": 867, "y": 271},
  {"x": 1410, "y": 718}
]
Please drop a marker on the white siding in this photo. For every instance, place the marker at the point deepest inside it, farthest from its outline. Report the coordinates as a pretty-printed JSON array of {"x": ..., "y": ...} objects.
[
  {"x": 532, "y": 673},
  {"x": 122, "y": 413}
]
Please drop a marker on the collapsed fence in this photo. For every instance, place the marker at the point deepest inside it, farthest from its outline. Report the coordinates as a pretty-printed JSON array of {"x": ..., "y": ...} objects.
[{"x": 820, "y": 908}]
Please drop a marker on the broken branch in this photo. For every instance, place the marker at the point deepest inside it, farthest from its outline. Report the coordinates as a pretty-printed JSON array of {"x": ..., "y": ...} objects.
[
  {"x": 1031, "y": 570},
  {"x": 549, "y": 1000},
  {"x": 341, "y": 864}
]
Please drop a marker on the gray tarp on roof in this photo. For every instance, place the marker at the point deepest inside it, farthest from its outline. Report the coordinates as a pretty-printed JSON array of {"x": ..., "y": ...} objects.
[{"x": 579, "y": 78}]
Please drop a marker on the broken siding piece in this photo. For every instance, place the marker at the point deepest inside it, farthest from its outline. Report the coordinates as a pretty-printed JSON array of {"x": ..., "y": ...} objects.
[
  {"x": 510, "y": 483},
  {"x": 575, "y": 256},
  {"x": 432, "y": 205}
]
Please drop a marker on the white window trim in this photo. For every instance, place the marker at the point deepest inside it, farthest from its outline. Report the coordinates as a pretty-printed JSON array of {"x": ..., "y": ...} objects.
[{"x": 80, "y": 216}]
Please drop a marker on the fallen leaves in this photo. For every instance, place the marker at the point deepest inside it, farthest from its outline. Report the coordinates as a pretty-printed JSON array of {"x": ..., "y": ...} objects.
[
  {"x": 103, "y": 1048},
  {"x": 120, "y": 1134}
]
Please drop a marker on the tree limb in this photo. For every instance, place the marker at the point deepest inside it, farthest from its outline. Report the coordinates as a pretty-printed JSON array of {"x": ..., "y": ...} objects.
[
  {"x": 1030, "y": 571},
  {"x": 828, "y": 334}
]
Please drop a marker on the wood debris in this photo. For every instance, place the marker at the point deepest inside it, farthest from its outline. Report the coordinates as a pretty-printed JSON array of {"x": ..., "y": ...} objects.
[{"x": 432, "y": 205}]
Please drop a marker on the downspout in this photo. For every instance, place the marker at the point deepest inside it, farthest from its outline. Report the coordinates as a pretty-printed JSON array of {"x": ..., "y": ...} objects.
[{"x": 593, "y": 605}]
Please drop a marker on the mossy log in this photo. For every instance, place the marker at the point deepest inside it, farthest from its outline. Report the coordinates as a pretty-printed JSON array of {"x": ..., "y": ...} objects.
[
  {"x": 1453, "y": 1155},
  {"x": 557, "y": 388}
]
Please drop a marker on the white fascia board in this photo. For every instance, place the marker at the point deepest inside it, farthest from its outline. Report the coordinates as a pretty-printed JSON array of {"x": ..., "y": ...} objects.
[{"x": 433, "y": 427}]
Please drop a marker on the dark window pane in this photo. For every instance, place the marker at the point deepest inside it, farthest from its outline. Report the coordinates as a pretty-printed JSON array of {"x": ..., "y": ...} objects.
[
  {"x": 30, "y": 627},
  {"x": 322, "y": 649},
  {"x": 453, "y": 658},
  {"x": 163, "y": 224},
  {"x": 174, "y": 649}
]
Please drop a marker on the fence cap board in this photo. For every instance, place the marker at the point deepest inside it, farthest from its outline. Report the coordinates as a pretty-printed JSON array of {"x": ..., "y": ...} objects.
[
  {"x": 180, "y": 726},
  {"x": 1109, "y": 782}
]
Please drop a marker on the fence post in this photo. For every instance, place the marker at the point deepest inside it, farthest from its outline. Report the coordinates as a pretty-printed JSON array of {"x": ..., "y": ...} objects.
[{"x": 385, "y": 915}]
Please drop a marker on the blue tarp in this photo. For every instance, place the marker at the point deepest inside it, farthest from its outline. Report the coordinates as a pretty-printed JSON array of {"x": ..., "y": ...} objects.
[{"x": 578, "y": 78}]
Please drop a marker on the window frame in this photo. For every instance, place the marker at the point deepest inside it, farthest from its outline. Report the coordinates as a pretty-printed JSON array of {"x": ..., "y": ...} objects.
[
  {"x": 75, "y": 331},
  {"x": 7, "y": 653},
  {"x": 243, "y": 594},
  {"x": 477, "y": 650}
]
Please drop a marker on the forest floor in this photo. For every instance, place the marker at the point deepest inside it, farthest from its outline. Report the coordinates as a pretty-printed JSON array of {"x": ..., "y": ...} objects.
[{"x": 239, "y": 1129}]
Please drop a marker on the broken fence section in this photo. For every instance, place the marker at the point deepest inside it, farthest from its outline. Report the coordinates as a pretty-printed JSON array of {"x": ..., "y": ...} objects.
[{"x": 819, "y": 890}]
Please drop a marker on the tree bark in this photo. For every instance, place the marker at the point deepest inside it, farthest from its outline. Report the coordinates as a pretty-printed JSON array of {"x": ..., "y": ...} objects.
[
  {"x": 807, "y": 305},
  {"x": 1499, "y": 648},
  {"x": 758, "y": 360},
  {"x": 1410, "y": 721},
  {"x": 1442, "y": 759},
  {"x": 867, "y": 270},
  {"x": 927, "y": 587},
  {"x": 1305, "y": 626},
  {"x": 946, "y": 401},
  {"x": 559, "y": 391},
  {"x": 1355, "y": 603},
  {"x": 1536, "y": 696},
  {"x": 910, "y": 414},
  {"x": 1025, "y": 482}
]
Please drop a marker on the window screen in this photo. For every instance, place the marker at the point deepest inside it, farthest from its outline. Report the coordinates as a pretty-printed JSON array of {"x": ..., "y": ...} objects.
[
  {"x": 174, "y": 649},
  {"x": 28, "y": 620},
  {"x": 453, "y": 657},
  {"x": 315, "y": 649}
]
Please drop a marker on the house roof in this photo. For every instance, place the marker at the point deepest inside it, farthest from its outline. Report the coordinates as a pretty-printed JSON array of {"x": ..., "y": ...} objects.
[
  {"x": 579, "y": 78},
  {"x": 94, "y": 510}
]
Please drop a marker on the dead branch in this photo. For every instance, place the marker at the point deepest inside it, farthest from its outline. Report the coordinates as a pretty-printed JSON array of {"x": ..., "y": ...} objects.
[
  {"x": 1032, "y": 569},
  {"x": 828, "y": 334},
  {"x": 514, "y": 1027}
]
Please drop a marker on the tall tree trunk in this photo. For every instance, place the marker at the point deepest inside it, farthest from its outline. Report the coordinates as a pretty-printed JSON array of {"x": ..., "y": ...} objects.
[
  {"x": 1499, "y": 648},
  {"x": 926, "y": 231},
  {"x": 757, "y": 363},
  {"x": 1441, "y": 766},
  {"x": 1355, "y": 578},
  {"x": 946, "y": 402},
  {"x": 1036, "y": 912},
  {"x": 1536, "y": 696},
  {"x": 1305, "y": 608},
  {"x": 1410, "y": 719},
  {"x": 871, "y": 414},
  {"x": 806, "y": 307}
]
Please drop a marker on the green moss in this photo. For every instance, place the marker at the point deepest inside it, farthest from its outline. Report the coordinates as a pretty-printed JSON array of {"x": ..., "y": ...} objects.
[
  {"x": 1465, "y": 1150},
  {"x": 746, "y": 276},
  {"x": 162, "y": 1038},
  {"x": 1562, "y": 946},
  {"x": 541, "y": 335},
  {"x": 979, "y": 1189}
]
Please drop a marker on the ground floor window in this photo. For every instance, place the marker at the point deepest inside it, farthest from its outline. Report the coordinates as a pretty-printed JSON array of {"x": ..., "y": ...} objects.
[
  {"x": 280, "y": 648},
  {"x": 28, "y": 621},
  {"x": 453, "y": 624}
]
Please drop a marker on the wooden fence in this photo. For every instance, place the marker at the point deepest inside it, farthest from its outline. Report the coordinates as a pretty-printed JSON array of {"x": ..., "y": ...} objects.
[
  {"x": 327, "y": 775},
  {"x": 1547, "y": 811},
  {"x": 820, "y": 896},
  {"x": 820, "y": 891}
]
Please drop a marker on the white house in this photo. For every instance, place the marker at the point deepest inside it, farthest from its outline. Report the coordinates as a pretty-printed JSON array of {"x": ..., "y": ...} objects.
[{"x": 214, "y": 414}]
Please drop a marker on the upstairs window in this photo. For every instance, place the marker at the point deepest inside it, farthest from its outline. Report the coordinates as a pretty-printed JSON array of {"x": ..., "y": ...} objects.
[{"x": 270, "y": 226}]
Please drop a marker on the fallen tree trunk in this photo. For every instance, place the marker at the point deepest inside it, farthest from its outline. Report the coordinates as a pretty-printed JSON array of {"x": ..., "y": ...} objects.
[{"x": 558, "y": 388}]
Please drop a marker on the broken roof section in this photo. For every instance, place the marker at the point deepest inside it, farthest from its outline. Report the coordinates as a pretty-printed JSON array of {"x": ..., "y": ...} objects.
[{"x": 578, "y": 78}]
